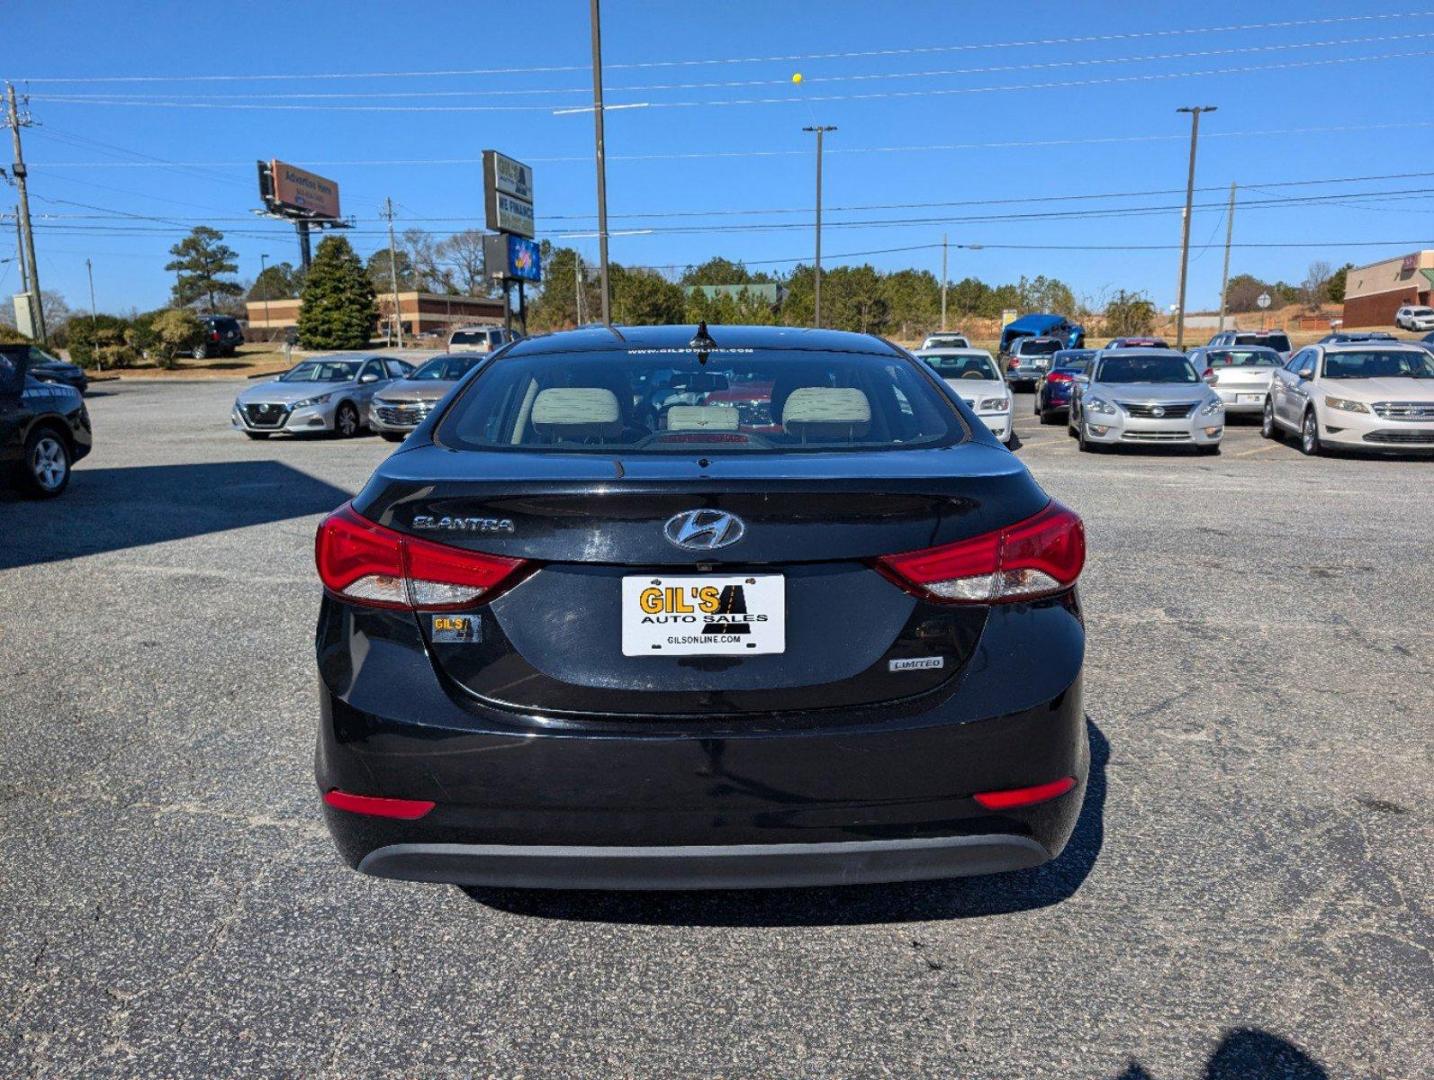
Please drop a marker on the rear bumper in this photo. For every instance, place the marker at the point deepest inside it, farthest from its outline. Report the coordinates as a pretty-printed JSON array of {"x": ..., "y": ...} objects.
[
  {"x": 1240, "y": 400},
  {"x": 736, "y": 866},
  {"x": 877, "y": 793}
]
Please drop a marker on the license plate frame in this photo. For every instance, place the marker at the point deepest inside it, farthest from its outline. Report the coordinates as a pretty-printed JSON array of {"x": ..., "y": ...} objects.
[{"x": 675, "y": 615}]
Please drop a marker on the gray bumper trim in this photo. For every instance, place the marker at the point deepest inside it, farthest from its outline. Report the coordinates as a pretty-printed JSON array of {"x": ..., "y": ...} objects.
[{"x": 738, "y": 866}]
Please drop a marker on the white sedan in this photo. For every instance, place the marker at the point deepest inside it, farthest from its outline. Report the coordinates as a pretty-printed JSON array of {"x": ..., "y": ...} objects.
[
  {"x": 974, "y": 375},
  {"x": 1358, "y": 395}
]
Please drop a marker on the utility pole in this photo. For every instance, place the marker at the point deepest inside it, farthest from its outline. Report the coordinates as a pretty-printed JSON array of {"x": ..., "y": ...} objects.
[
  {"x": 820, "y": 129},
  {"x": 94, "y": 313},
  {"x": 263, "y": 269},
  {"x": 1225, "y": 274},
  {"x": 578, "y": 288},
  {"x": 393, "y": 274},
  {"x": 1194, "y": 112},
  {"x": 601, "y": 146},
  {"x": 14, "y": 122},
  {"x": 20, "y": 254},
  {"x": 943, "y": 281}
]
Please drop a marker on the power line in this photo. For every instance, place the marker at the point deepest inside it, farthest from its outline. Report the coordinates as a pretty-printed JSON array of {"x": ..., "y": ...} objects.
[
  {"x": 115, "y": 97},
  {"x": 790, "y": 99},
  {"x": 1065, "y": 42},
  {"x": 1007, "y": 144}
]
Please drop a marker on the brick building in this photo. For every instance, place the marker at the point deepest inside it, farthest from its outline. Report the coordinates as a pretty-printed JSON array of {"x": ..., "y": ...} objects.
[
  {"x": 421, "y": 313},
  {"x": 1375, "y": 292}
]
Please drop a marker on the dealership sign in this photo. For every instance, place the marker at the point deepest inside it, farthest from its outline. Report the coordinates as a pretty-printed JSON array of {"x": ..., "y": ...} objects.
[
  {"x": 296, "y": 192},
  {"x": 507, "y": 194},
  {"x": 514, "y": 258}
]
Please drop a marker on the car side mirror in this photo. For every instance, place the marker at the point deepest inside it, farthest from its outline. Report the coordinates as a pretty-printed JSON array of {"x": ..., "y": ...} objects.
[
  {"x": 1305, "y": 374},
  {"x": 1081, "y": 380},
  {"x": 369, "y": 377}
]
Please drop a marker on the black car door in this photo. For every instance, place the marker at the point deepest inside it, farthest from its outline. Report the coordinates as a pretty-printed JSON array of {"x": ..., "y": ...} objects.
[{"x": 14, "y": 414}]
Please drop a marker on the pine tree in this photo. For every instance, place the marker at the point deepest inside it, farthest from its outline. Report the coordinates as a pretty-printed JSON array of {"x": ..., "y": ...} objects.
[
  {"x": 338, "y": 309},
  {"x": 199, "y": 261}
]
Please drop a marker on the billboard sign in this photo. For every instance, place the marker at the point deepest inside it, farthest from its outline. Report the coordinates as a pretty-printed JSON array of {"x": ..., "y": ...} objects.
[
  {"x": 512, "y": 258},
  {"x": 507, "y": 194},
  {"x": 299, "y": 193},
  {"x": 1411, "y": 262}
]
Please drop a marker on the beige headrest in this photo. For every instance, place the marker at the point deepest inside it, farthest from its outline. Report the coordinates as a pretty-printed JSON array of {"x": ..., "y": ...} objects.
[
  {"x": 577, "y": 412},
  {"x": 702, "y": 418},
  {"x": 827, "y": 412}
]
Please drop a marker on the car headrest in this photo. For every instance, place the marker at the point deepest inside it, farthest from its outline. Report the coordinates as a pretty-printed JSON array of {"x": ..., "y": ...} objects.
[
  {"x": 577, "y": 412},
  {"x": 826, "y": 412},
  {"x": 702, "y": 418}
]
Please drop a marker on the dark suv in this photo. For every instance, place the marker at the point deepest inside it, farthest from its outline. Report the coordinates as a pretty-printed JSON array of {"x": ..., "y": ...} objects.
[
  {"x": 44, "y": 427},
  {"x": 222, "y": 337}
]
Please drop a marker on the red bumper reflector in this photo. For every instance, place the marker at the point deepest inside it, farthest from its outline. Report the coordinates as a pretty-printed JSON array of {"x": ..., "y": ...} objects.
[
  {"x": 1024, "y": 796},
  {"x": 376, "y": 806}
]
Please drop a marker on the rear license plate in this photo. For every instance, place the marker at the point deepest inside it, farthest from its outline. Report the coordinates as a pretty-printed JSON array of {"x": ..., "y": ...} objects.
[
  {"x": 704, "y": 615},
  {"x": 1249, "y": 399}
]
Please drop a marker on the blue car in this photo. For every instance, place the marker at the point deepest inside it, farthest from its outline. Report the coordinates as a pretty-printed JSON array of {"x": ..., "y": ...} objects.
[
  {"x": 1053, "y": 392},
  {"x": 1056, "y": 326}
]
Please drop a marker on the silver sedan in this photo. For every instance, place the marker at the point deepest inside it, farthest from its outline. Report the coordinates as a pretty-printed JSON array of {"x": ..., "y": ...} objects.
[
  {"x": 403, "y": 405},
  {"x": 326, "y": 394},
  {"x": 1239, "y": 374},
  {"x": 1135, "y": 397}
]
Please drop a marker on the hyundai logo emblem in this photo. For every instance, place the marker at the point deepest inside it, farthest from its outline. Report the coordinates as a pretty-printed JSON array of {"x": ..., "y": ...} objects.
[{"x": 704, "y": 530}]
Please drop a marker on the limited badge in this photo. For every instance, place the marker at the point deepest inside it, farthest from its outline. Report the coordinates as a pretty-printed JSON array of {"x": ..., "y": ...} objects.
[
  {"x": 454, "y": 629},
  {"x": 918, "y": 663}
]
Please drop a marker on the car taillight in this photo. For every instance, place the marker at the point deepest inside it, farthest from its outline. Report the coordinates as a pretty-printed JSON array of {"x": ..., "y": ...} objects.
[
  {"x": 214, "y": 335},
  {"x": 1037, "y": 557},
  {"x": 369, "y": 564},
  {"x": 1059, "y": 376},
  {"x": 1211, "y": 376}
]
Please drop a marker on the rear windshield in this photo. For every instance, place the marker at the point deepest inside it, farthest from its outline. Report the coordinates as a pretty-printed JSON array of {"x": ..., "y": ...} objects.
[
  {"x": 323, "y": 371},
  {"x": 1028, "y": 347},
  {"x": 963, "y": 367},
  {"x": 667, "y": 401},
  {"x": 1271, "y": 341},
  {"x": 470, "y": 337},
  {"x": 954, "y": 340},
  {"x": 1071, "y": 357},
  {"x": 1379, "y": 364},
  {"x": 447, "y": 367},
  {"x": 1146, "y": 369},
  {"x": 1221, "y": 358}
]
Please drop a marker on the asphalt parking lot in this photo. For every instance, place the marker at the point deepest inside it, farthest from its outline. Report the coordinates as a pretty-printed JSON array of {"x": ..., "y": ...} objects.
[{"x": 1247, "y": 895}]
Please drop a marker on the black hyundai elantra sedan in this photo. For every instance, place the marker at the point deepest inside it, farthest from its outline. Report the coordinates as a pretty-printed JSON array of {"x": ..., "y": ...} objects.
[{"x": 667, "y": 607}]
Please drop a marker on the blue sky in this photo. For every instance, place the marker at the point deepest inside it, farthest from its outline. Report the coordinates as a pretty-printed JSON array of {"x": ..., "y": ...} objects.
[{"x": 1097, "y": 83}]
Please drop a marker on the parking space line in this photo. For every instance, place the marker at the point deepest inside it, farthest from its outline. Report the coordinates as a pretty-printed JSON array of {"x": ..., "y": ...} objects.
[{"x": 1257, "y": 450}]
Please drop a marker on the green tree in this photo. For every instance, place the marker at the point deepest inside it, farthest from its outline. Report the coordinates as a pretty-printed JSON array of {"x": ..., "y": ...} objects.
[
  {"x": 1338, "y": 282},
  {"x": 643, "y": 298},
  {"x": 720, "y": 271},
  {"x": 90, "y": 337},
  {"x": 968, "y": 297},
  {"x": 745, "y": 308},
  {"x": 278, "y": 282},
  {"x": 913, "y": 300},
  {"x": 1129, "y": 314},
  {"x": 174, "y": 331},
  {"x": 381, "y": 275},
  {"x": 337, "y": 309},
  {"x": 1046, "y": 295},
  {"x": 200, "y": 262}
]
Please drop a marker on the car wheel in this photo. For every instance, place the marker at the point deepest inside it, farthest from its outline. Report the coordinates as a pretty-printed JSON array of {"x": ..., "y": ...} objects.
[
  {"x": 45, "y": 470},
  {"x": 1048, "y": 418},
  {"x": 1268, "y": 428},
  {"x": 346, "y": 421},
  {"x": 257, "y": 434},
  {"x": 392, "y": 436},
  {"x": 1309, "y": 435},
  {"x": 1084, "y": 444},
  {"x": 200, "y": 352}
]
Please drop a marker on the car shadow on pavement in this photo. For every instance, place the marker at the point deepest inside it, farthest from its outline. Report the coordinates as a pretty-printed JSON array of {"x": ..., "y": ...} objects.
[
  {"x": 112, "y": 509},
  {"x": 923, "y": 901},
  {"x": 1248, "y": 1054}
]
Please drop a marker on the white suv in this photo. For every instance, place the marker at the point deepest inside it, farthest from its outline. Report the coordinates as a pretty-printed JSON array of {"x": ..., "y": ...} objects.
[
  {"x": 1360, "y": 396},
  {"x": 1414, "y": 317},
  {"x": 480, "y": 338}
]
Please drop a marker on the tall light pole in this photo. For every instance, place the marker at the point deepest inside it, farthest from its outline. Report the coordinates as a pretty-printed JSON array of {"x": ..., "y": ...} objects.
[
  {"x": 1194, "y": 112},
  {"x": 15, "y": 121},
  {"x": 596, "y": 19},
  {"x": 263, "y": 266},
  {"x": 94, "y": 312},
  {"x": 1225, "y": 274},
  {"x": 943, "y": 281},
  {"x": 820, "y": 129}
]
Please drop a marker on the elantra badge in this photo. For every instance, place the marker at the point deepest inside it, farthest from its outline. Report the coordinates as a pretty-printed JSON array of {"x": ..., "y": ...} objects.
[{"x": 704, "y": 530}]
